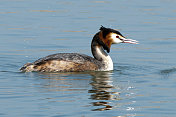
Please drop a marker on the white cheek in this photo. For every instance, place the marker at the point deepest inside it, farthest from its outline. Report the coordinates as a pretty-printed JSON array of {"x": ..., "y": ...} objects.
[{"x": 115, "y": 39}]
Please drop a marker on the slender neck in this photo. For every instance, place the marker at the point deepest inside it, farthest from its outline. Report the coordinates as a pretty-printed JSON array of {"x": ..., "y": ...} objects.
[{"x": 99, "y": 54}]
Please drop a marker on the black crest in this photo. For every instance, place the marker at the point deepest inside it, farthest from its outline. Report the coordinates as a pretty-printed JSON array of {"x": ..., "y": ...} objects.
[{"x": 108, "y": 30}]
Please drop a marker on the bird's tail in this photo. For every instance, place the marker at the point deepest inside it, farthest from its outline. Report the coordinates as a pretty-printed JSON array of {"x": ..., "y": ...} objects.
[{"x": 28, "y": 67}]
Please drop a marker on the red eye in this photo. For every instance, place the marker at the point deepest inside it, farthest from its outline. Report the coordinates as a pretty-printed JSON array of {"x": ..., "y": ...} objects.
[{"x": 117, "y": 36}]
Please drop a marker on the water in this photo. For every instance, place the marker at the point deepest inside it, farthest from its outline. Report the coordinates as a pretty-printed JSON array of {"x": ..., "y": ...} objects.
[{"x": 144, "y": 78}]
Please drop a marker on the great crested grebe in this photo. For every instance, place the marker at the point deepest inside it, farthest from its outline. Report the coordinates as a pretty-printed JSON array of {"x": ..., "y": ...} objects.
[{"x": 74, "y": 62}]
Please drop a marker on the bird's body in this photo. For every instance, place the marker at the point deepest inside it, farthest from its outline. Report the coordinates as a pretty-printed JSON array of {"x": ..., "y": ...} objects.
[
  {"x": 74, "y": 62},
  {"x": 63, "y": 62}
]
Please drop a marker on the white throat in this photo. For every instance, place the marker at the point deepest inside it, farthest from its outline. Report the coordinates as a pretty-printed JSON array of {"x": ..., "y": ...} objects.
[{"x": 99, "y": 54}]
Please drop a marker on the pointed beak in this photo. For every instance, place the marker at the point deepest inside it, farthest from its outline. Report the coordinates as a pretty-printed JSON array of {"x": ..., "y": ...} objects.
[{"x": 131, "y": 41}]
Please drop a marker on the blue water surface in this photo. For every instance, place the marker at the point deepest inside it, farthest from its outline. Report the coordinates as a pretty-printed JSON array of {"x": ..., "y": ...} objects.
[{"x": 142, "y": 84}]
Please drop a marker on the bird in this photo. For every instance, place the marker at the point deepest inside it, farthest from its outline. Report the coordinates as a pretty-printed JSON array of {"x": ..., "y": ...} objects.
[{"x": 76, "y": 62}]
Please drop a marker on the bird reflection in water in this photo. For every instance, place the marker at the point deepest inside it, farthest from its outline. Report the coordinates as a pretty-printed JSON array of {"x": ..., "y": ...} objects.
[{"x": 102, "y": 91}]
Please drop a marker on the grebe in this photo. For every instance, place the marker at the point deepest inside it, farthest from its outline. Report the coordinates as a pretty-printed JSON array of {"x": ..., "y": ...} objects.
[{"x": 74, "y": 62}]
